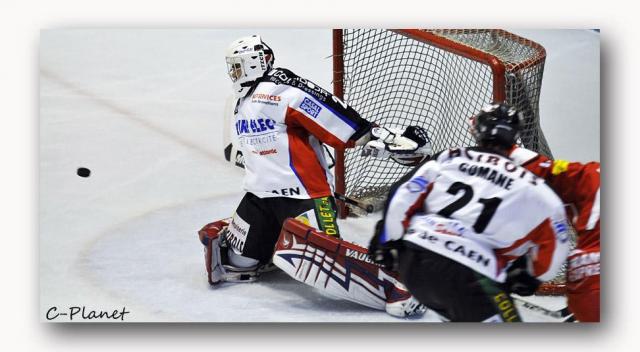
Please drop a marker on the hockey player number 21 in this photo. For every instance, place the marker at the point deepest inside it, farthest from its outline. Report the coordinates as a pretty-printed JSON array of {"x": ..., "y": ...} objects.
[{"x": 488, "y": 210}]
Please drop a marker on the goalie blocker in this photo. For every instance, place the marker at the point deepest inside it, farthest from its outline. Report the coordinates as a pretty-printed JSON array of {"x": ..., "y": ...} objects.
[{"x": 341, "y": 269}]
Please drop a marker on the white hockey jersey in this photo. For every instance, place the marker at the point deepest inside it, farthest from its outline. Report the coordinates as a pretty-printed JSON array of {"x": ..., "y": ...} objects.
[
  {"x": 280, "y": 127},
  {"x": 481, "y": 210}
]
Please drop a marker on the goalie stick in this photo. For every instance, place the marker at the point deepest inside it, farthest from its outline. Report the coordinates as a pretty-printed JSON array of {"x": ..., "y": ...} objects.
[
  {"x": 364, "y": 206},
  {"x": 563, "y": 314}
]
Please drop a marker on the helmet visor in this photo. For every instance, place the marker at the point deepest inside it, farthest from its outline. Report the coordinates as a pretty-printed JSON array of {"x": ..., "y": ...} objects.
[{"x": 234, "y": 68}]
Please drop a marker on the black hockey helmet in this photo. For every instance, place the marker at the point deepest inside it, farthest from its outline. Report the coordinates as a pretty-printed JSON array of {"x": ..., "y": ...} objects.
[{"x": 497, "y": 124}]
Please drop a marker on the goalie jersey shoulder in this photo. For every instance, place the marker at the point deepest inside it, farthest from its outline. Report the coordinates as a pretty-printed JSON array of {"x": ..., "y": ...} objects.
[
  {"x": 286, "y": 77},
  {"x": 307, "y": 88}
]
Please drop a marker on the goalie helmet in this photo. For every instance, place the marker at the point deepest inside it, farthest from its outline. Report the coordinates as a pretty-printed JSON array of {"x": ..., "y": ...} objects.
[
  {"x": 497, "y": 124},
  {"x": 248, "y": 58}
]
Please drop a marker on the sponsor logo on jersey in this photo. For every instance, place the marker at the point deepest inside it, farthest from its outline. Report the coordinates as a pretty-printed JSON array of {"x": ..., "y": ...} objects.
[
  {"x": 256, "y": 132},
  {"x": 364, "y": 257},
  {"x": 562, "y": 230},
  {"x": 417, "y": 184},
  {"x": 452, "y": 248},
  {"x": 265, "y": 152},
  {"x": 266, "y": 139},
  {"x": 253, "y": 126},
  {"x": 313, "y": 89},
  {"x": 310, "y": 107},
  {"x": 445, "y": 226},
  {"x": 266, "y": 99},
  {"x": 287, "y": 191},
  {"x": 279, "y": 76},
  {"x": 470, "y": 254}
]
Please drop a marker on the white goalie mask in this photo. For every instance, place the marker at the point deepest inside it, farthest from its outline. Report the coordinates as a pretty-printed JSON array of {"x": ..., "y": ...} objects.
[{"x": 248, "y": 58}]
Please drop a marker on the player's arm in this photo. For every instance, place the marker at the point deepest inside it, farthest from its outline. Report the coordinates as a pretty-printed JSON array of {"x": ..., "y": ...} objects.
[
  {"x": 575, "y": 183},
  {"x": 406, "y": 198},
  {"x": 578, "y": 184},
  {"x": 542, "y": 262},
  {"x": 319, "y": 112},
  {"x": 337, "y": 124}
]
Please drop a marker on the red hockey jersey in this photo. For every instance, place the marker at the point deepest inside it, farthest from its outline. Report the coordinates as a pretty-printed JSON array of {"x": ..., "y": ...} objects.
[{"x": 577, "y": 184}]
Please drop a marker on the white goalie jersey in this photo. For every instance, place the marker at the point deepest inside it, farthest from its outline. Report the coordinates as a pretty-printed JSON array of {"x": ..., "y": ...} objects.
[
  {"x": 481, "y": 210},
  {"x": 280, "y": 127}
]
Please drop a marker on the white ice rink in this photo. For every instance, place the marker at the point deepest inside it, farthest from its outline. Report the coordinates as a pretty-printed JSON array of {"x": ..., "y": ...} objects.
[{"x": 143, "y": 110}]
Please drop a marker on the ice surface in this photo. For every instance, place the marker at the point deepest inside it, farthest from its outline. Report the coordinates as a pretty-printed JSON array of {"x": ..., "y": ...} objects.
[{"x": 143, "y": 110}]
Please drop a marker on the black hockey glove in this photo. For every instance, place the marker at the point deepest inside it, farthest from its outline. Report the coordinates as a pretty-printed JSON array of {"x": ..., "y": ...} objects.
[
  {"x": 418, "y": 135},
  {"x": 519, "y": 280},
  {"x": 384, "y": 254}
]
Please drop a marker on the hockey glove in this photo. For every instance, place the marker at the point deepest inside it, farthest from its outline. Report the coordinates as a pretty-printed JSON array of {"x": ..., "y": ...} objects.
[
  {"x": 519, "y": 280},
  {"x": 408, "y": 147},
  {"x": 384, "y": 254}
]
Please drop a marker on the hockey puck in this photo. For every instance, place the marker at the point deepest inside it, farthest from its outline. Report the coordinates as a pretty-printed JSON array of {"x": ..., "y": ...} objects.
[{"x": 83, "y": 172}]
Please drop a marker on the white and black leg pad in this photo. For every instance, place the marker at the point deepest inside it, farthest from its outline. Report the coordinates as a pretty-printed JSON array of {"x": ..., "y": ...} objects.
[
  {"x": 221, "y": 262},
  {"x": 211, "y": 236},
  {"x": 337, "y": 267}
]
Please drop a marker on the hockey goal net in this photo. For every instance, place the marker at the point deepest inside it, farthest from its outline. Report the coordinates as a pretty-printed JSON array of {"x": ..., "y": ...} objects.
[{"x": 436, "y": 79}]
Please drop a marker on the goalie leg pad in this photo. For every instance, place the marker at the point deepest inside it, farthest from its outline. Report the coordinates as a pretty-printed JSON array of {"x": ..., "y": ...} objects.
[
  {"x": 221, "y": 263},
  {"x": 211, "y": 236},
  {"x": 341, "y": 269}
]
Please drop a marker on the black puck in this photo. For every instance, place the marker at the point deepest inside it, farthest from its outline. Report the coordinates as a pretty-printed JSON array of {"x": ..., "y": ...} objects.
[{"x": 83, "y": 172}]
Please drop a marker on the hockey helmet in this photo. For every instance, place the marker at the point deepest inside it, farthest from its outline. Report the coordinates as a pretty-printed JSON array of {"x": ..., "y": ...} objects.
[
  {"x": 497, "y": 124},
  {"x": 248, "y": 58}
]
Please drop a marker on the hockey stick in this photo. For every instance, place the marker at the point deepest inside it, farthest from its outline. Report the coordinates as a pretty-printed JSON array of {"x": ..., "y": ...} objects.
[
  {"x": 364, "y": 206},
  {"x": 563, "y": 314}
]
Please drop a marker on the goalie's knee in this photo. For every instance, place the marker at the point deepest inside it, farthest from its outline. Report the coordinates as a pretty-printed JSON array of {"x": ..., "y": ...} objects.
[
  {"x": 211, "y": 236},
  {"x": 221, "y": 262}
]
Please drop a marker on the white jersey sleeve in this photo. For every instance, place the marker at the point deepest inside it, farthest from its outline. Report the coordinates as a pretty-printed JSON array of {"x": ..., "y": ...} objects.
[
  {"x": 317, "y": 111},
  {"x": 407, "y": 198}
]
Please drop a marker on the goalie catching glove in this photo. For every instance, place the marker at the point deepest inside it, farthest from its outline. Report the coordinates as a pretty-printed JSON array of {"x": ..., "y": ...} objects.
[{"x": 408, "y": 147}]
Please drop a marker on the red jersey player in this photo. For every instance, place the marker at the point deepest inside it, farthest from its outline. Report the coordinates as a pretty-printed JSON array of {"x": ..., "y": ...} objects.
[{"x": 578, "y": 185}]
